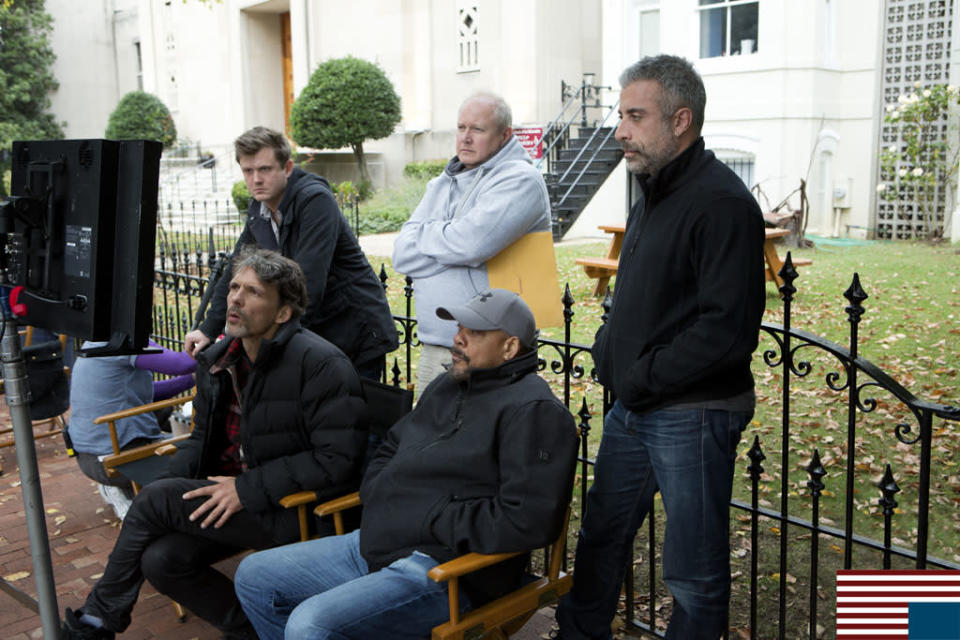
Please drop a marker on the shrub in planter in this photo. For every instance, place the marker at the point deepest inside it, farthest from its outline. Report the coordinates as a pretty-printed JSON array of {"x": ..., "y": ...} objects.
[
  {"x": 141, "y": 115},
  {"x": 241, "y": 196}
]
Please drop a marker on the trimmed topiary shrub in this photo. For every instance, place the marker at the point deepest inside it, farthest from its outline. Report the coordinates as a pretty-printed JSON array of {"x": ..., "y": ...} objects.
[
  {"x": 346, "y": 101},
  {"x": 141, "y": 115}
]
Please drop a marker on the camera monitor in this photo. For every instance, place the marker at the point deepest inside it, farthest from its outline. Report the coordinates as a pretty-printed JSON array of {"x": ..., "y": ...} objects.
[{"x": 78, "y": 236}]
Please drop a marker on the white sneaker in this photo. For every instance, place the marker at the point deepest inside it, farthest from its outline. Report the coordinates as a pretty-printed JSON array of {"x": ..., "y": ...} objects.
[{"x": 115, "y": 497}]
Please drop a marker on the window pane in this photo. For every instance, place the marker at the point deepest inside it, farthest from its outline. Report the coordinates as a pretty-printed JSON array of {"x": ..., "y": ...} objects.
[
  {"x": 743, "y": 167},
  {"x": 743, "y": 28},
  {"x": 713, "y": 32},
  {"x": 649, "y": 33}
]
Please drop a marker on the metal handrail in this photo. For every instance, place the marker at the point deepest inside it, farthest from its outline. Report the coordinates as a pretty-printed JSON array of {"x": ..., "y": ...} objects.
[
  {"x": 593, "y": 157},
  {"x": 559, "y": 136},
  {"x": 579, "y": 96},
  {"x": 563, "y": 110}
]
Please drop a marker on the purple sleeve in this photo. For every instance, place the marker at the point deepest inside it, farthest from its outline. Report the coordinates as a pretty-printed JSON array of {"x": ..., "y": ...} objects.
[
  {"x": 172, "y": 363},
  {"x": 163, "y": 389}
]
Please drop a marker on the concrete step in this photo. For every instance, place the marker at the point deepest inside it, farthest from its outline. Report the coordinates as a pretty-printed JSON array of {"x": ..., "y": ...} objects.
[
  {"x": 579, "y": 143},
  {"x": 602, "y": 155},
  {"x": 599, "y": 166}
]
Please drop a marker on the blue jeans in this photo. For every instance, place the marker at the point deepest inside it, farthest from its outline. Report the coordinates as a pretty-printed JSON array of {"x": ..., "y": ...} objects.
[
  {"x": 688, "y": 455},
  {"x": 323, "y": 589}
]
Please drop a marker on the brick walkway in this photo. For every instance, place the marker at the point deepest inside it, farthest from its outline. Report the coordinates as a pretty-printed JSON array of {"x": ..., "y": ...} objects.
[{"x": 82, "y": 530}]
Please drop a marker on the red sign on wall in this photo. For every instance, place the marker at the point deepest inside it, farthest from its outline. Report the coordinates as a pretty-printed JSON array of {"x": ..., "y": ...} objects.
[{"x": 532, "y": 140}]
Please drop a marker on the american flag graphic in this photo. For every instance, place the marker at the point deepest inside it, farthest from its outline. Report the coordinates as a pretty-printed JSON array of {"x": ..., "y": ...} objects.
[{"x": 890, "y": 605}]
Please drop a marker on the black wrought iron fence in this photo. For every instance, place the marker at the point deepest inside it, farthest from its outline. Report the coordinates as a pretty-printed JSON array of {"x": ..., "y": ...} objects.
[{"x": 786, "y": 548}]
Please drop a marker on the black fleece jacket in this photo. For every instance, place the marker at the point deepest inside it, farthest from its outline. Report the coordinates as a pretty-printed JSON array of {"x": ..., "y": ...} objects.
[
  {"x": 689, "y": 293},
  {"x": 303, "y": 426},
  {"x": 484, "y": 465},
  {"x": 345, "y": 301}
]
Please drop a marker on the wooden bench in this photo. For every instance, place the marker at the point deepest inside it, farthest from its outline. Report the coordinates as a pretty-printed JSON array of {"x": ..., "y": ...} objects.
[
  {"x": 772, "y": 259},
  {"x": 602, "y": 269},
  {"x": 605, "y": 268}
]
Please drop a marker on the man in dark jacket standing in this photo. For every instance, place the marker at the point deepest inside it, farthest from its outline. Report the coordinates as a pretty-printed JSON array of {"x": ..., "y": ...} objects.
[
  {"x": 676, "y": 350},
  {"x": 294, "y": 212},
  {"x": 278, "y": 410},
  {"x": 484, "y": 463}
]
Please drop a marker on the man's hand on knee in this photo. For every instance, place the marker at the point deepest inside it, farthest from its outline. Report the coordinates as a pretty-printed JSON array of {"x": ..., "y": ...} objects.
[{"x": 222, "y": 501}]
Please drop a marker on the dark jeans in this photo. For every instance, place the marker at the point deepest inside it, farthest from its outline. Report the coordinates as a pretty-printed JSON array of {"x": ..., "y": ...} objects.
[
  {"x": 158, "y": 542},
  {"x": 688, "y": 455}
]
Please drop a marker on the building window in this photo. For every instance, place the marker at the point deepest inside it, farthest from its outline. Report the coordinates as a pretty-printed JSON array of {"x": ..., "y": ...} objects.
[
  {"x": 741, "y": 163},
  {"x": 468, "y": 39},
  {"x": 728, "y": 27},
  {"x": 136, "y": 46},
  {"x": 649, "y": 29}
]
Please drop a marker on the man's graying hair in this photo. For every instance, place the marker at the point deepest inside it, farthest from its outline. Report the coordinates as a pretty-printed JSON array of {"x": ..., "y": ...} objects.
[
  {"x": 502, "y": 115},
  {"x": 251, "y": 141},
  {"x": 680, "y": 84},
  {"x": 273, "y": 268}
]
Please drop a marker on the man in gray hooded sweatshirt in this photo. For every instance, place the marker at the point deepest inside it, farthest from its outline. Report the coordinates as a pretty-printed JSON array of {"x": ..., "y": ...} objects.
[{"x": 489, "y": 195}]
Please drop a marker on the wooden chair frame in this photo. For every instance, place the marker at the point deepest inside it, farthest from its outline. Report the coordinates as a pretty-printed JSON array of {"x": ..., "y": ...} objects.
[
  {"x": 496, "y": 619},
  {"x": 161, "y": 447}
]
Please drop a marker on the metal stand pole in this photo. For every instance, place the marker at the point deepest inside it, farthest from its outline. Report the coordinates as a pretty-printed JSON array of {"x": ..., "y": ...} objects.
[{"x": 18, "y": 399}]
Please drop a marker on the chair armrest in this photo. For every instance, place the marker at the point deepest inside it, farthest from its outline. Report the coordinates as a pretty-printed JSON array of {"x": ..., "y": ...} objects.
[
  {"x": 138, "y": 453},
  {"x": 169, "y": 448},
  {"x": 300, "y": 501},
  {"x": 297, "y": 499},
  {"x": 144, "y": 408},
  {"x": 336, "y": 507},
  {"x": 467, "y": 563},
  {"x": 338, "y": 504}
]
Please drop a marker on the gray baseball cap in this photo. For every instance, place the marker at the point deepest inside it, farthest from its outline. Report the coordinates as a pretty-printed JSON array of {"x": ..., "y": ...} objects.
[{"x": 496, "y": 309}]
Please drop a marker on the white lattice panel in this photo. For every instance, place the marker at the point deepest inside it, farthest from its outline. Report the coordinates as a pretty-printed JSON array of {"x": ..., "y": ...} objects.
[{"x": 916, "y": 50}]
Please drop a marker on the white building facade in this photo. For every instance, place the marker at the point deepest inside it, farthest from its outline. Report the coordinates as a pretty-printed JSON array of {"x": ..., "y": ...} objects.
[{"x": 795, "y": 90}]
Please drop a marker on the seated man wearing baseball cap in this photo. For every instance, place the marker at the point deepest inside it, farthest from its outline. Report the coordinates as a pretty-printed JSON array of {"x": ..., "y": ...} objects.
[{"x": 484, "y": 463}]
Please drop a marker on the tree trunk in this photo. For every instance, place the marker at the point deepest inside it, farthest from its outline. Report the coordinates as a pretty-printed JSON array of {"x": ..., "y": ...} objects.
[{"x": 361, "y": 163}]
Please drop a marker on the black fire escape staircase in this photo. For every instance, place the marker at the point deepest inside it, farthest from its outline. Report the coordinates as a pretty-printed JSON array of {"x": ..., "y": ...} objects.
[{"x": 579, "y": 153}]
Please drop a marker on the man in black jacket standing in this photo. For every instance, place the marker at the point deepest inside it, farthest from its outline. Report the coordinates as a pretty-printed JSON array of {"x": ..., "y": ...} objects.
[
  {"x": 278, "y": 410},
  {"x": 484, "y": 463},
  {"x": 676, "y": 350},
  {"x": 294, "y": 212}
]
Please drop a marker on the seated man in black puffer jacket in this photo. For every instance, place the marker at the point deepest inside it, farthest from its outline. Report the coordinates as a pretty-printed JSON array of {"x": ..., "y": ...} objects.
[{"x": 278, "y": 410}]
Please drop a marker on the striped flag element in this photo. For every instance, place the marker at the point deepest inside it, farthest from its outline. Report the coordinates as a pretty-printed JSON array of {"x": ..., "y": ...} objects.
[{"x": 893, "y": 605}]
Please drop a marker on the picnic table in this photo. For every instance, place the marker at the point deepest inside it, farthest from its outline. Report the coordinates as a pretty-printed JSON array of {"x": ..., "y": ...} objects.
[{"x": 606, "y": 267}]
